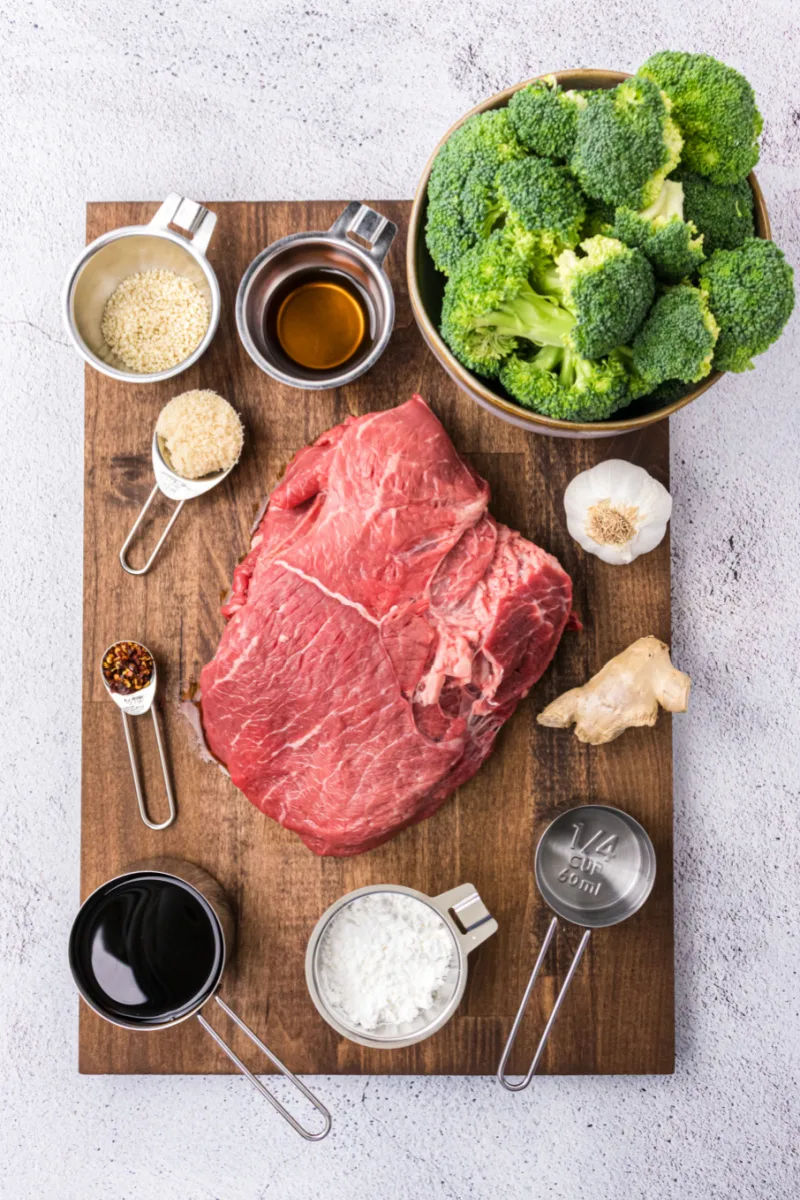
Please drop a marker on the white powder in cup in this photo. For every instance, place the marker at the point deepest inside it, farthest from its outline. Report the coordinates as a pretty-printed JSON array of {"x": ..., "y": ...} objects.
[{"x": 383, "y": 958}]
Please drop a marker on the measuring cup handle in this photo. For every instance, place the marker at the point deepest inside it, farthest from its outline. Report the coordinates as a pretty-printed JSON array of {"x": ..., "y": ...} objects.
[
  {"x": 470, "y": 912},
  {"x": 377, "y": 231},
  {"x": 284, "y": 1070},
  {"x": 137, "y": 783},
  {"x": 512, "y": 1037},
  {"x": 123, "y": 554},
  {"x": 189, "y": 216}
]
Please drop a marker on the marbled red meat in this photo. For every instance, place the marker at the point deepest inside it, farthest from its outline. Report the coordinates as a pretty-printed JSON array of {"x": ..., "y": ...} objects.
[{"x": 382, "y": 628}]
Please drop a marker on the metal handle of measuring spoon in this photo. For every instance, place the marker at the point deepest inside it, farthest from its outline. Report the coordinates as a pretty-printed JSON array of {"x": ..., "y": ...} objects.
[
  {"x": 137, "y": 783},
  {"x": 512, "y": 1037},
  {"x": 123, "y": 552},
  {"x": 276, "y": 1062}
]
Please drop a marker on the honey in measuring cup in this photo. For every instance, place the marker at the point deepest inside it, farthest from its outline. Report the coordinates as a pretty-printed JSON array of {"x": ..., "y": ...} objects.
[{"x": 320, "y": 319}]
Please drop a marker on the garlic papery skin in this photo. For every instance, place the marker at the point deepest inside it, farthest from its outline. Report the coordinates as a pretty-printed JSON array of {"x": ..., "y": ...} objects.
[{"x": 617, "y": 511}]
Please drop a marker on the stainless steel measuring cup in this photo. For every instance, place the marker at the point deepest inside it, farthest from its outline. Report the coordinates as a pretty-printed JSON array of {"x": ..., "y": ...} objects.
[
  {"x": 111, "y": 955},
  {"x": 175, "y": 240},
  {"x": 174, "y": 487},
  {"x": 136, "y": 704},
  {"x": 468, "y": 922},
  {"x": 334, "y": 250},
  {"x": 595, "y": 866}
]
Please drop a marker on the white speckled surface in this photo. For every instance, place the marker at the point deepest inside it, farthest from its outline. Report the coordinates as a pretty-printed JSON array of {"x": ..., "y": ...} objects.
[{"x": 256, "y": 99}]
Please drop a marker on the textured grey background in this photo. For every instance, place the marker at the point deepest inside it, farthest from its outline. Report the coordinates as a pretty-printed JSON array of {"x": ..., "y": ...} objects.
[{"x": 129, "y": 100}]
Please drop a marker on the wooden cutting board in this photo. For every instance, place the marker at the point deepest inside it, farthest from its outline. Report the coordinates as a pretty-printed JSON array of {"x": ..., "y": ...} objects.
[{"x": 619, "y": 1015}]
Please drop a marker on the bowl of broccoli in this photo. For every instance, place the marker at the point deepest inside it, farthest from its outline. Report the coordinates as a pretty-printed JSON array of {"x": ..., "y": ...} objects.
[{"x": 589, "y": 251}]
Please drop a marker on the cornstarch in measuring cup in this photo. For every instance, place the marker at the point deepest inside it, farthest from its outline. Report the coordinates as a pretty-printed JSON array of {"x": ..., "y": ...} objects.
[{"x": 383, "y": 958}]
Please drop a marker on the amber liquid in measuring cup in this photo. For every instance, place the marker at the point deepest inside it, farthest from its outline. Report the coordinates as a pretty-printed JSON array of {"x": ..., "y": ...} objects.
[{"x": 320, "y": 319}]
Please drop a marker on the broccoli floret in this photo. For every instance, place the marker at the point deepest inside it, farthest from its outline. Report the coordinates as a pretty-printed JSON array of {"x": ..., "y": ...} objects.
[
  {"x": 667, "y": 393},
  {"x": 558, "y": 383},
  {"x": 489, "y": 305},
  {"x": 599, "y": 217},
  {"x": 446, "y": 236},
  {"x": 627, "y": 144},
  {"x": 609, "y": 290},
  {"x": 715, "y": 109},
  {"x": 677, "y": 340},
  {"x": 545, "y": 276},
  {"x": 464, "y": 166},
  {"x": 545, "y": 118},
  {"x": 669, "y": 242},
  {"x": 542, "y": 205},
  {"x": 750, "y": 291},
  {"x": 723, "y": 213},
  {"x": 480, "y": 209}
]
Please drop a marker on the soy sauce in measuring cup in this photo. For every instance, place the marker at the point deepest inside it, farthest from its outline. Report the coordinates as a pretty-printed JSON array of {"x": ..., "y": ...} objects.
[
  {"x": 320, "y": 318},
  {"x": 147, "y": 949}
]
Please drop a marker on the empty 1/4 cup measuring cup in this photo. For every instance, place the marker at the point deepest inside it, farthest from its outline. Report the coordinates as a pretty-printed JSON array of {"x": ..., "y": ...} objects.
[
  {"x": 174, "y": 487},
  {"x": 128, "y": 671},
  {"x": 148, "y": 949},
  {"x": 595, "y": 866}
]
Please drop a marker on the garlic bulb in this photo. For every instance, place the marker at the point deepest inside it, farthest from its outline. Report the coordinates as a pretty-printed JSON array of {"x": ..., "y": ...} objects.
[{"x": 617, "y": 510}]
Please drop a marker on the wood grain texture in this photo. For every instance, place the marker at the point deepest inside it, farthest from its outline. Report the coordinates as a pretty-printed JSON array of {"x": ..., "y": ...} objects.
[{"x": 619, "y": 1016}]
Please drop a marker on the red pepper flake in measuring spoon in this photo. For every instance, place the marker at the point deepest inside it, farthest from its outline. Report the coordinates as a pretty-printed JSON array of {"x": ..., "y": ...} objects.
[
  {"x": 127, "y": 668},
  {"x": 130, "y": 677}
]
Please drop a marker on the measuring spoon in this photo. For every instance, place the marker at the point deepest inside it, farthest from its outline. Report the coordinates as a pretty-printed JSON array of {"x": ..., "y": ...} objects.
[
  {"x": 595, "y": 866},
  {"x": 136, "y": 704},
  {"x": 174, "y": 487}
]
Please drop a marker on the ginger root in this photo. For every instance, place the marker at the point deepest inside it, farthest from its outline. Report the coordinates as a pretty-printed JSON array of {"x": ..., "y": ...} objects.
[{"x": 625, "y": 693}]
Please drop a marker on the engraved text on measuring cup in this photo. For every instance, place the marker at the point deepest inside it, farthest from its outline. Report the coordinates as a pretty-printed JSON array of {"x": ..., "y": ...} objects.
[
  {"x": 573, "y": 873},
  {"x": 607, "y": 846},
  {"x": 582, "y": 866}
]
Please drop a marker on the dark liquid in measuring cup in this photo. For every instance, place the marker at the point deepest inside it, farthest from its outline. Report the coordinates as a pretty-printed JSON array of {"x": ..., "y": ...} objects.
[
  {"x": 147, "y": 949},
  {"x": 320, "y": 318}
]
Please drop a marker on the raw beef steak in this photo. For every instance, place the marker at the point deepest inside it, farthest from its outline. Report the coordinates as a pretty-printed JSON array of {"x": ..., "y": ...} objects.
[{"x": 382, "y": 628}]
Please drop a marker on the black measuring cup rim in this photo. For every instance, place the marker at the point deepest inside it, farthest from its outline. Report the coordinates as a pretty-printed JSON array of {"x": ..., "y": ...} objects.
[{"x": 192, "y": 1007}]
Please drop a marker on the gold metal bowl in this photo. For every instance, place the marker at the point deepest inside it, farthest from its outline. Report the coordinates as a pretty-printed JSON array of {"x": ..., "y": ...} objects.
[{"x": 426, "y": 287}]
